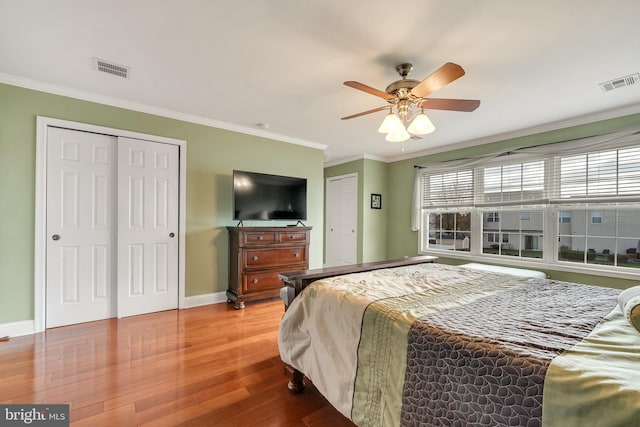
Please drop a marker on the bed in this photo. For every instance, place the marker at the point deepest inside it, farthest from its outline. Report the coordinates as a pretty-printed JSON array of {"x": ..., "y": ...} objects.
[{"x": 421, "y": 343}]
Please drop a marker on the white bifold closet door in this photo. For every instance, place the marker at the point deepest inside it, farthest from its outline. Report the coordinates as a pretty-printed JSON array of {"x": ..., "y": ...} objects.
[
  {"x": 80, "y": 216},
  {"x": 147, "y": 227},
  {"x": 342, "y": 220},
  {"x": 112, "y": 220}
]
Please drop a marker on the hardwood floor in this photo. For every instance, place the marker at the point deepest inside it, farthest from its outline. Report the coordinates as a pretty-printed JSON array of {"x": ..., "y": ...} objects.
[{"x": 205, "y": 366}]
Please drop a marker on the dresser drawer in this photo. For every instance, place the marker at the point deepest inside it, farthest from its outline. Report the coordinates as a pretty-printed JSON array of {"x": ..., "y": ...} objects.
[
  {"x": 293, "y": 236},
  {"x": 261, "y": 280},
  {"x": 259, "y": 238},
  {"x": 275, "y": 256}
]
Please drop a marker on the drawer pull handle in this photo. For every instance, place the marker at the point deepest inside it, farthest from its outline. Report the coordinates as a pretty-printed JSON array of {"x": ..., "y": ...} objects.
[
  {"x": 291, "y": 237},
  {"x": 255, "y": 280},
  {"x": 296, "y": 255},
  {"x": 255, "y": 257},
  {"x": 260, "y": 237}
]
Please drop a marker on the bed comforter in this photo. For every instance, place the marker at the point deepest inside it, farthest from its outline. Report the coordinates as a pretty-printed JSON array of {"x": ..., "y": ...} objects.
[{"x": 441, "y": 345}]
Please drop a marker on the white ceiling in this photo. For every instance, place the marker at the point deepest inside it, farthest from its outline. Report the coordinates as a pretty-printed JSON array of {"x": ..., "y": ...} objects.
[{"x": 235, "y": 64}]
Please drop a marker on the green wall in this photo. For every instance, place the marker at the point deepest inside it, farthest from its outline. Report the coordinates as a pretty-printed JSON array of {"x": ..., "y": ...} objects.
[
  {"x": 404, "y": 242},
  {"x": 212, "y": 154},
  {"x": 372, "y": 223}
]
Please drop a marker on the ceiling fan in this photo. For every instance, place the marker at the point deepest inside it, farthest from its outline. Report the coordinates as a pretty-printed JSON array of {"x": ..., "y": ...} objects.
[{"x": 407, "y": 94}]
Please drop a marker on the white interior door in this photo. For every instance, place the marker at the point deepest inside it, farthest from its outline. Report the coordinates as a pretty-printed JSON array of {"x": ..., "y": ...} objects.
[
  {"x": 342, "y": 220},
  {"x": 79, "y": 227},
  {"x": 147, "y": 226}
]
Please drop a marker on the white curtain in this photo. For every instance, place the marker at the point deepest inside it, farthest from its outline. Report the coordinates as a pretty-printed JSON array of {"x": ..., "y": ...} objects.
[{"x": 415, "y": 200}]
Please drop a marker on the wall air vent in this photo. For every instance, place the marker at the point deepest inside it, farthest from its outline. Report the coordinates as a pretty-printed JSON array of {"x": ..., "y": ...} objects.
[
  {"x": 620, "y": 82},
  {"x": 111, "y": 68}
]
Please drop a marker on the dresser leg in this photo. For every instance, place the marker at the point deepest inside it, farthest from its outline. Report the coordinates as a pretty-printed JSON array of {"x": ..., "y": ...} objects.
[{"x": 239, "y": 305}]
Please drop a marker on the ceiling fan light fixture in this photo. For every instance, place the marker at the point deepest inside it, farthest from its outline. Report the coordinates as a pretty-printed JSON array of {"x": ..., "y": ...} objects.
[
  {"x": 391, "y": 123},
  {"x": 398, "y": 136},
  {"x": 421, "y": 125},
  {"x": 408, "y": 95}
]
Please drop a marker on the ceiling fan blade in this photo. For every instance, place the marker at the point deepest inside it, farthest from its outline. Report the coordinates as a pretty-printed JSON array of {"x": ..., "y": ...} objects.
[
  {"x": 438, "y": 79},
  {"x": 467, "y": 105},
  {"x": 365, "y": 112},
  {"x": 368, "y": 89}
]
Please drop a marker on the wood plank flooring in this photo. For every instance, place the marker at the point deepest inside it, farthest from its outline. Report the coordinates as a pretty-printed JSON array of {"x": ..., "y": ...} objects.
[{"x": 204, "y": 366}]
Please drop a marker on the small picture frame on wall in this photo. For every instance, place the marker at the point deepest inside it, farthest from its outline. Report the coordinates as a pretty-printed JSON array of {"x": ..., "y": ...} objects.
[{"x": 376, "y": 201}]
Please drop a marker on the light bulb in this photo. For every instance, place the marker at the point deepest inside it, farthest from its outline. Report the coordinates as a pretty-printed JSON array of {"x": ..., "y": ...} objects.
[
  {"x": 391, "y": 123},
  {"x": 421, "y": 125},
  {"x": 398, "y": 136}
]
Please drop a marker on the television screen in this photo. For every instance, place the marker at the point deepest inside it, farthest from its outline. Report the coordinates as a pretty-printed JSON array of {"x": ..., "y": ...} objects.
[{"x": 259, "y": 196}]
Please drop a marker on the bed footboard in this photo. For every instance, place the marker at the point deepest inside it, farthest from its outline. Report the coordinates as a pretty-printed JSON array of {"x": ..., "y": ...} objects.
[{"x": 296, "y": 281}]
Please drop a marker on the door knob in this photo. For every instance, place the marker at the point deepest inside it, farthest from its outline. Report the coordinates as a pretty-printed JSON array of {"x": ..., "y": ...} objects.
[
  {"x": 171, "y": 235},
  {"x": 55, "y": 237}
]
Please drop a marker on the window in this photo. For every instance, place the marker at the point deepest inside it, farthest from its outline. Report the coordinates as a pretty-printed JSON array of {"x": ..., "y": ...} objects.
[
  {"x": 448, "y": 189},
  {"x": 564, "y": 217},
  {"x": 495, "y": 237},
  {"x": 595, "y": 196},
  {"x": 493, "y": 217},
  {"x": 449, "y": 231},
  {"x": 609, "y": 181},
  {"x": 446, "y": 218},
  {"x": 513, "y": 236},
  {"x": 615, "y": 240},
  {"x": 601, "y": 174},
  {"x": 513, "y": 182}
]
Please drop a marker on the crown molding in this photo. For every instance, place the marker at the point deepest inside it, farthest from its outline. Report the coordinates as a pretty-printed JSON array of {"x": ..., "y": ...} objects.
[
  {"x": 148, "y": 109},
  {"x": 342, "y": 160},
  {"x": 143, "y": 108}
]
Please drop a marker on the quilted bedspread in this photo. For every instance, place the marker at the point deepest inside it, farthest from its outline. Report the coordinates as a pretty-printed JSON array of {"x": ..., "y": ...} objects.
[{"x": 439, "y": 345}]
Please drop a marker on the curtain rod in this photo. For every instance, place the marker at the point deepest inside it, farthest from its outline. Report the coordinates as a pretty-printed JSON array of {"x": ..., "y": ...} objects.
[{"x": 516, "y": 150}]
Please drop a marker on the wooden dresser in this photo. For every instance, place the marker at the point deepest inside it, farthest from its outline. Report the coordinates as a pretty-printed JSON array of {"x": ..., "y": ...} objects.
[{"x": 258, "y": 254}]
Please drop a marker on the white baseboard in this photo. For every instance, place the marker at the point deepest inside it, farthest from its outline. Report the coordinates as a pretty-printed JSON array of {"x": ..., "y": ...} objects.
[
  {"x": 206, "y": 299},
  {"x": 27, "y": 327},
  {"x": 16, "y": 329}
]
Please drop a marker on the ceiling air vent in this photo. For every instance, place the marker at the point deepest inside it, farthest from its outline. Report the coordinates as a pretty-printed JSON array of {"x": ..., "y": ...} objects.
[
  {"x": 111, "y": 68},
  {"x": 621, "y": 82}
]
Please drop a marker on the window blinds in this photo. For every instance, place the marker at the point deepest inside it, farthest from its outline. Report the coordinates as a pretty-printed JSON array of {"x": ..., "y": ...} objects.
[
  {"x": 513, "y": 183},
  {"x": 598, "y": 176},
  {"x": 579, "y": 183},
  {"x": 451, "y": 189},
  {"x": 606, "y": 176}
]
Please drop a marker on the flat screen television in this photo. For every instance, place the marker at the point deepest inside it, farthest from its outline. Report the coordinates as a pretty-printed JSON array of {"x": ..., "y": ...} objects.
[{"x": 264, "y": 197}]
